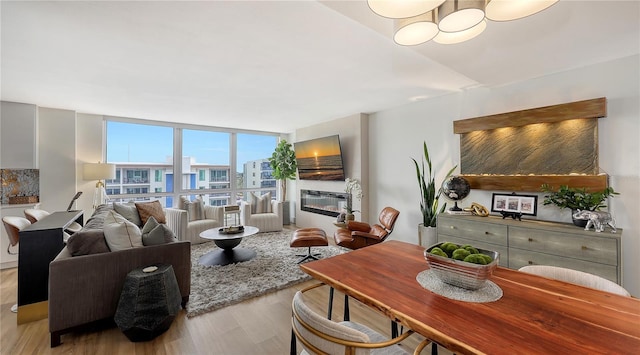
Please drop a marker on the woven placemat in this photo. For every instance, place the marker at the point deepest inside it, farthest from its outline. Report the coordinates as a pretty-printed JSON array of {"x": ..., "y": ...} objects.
[{"x": 490, "y": 292}]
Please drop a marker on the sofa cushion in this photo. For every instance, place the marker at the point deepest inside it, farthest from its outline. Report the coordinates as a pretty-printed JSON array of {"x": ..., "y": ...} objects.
[
  {"x": 148, "y": 209},
  {"x": 121, "y": 234},
  {"x": 154, "y": 233},
  {"x": 87, "y": 241},
  {"x": 128, "y": 211},
  {"x": 260, "y": 204}
]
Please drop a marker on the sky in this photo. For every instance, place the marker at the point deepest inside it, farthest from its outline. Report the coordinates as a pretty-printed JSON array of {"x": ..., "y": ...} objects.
[{"x": 127, "y": 142}]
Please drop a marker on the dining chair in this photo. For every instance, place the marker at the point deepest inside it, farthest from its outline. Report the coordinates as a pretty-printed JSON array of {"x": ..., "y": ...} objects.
[
  {"x": 576, "y": 277},
  {"x": 13, "y": 226},
  {"x": 319, "y": 335}
]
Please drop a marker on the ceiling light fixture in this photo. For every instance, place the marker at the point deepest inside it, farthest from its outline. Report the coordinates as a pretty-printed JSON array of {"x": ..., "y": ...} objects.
[
  {"x": 450, "y": 21},
  {"x": 507, "y": 10},
  {"x": 416, "y": 30},
  {"x": 460, "y": 15},
  {"x": 402, "y": 8}
]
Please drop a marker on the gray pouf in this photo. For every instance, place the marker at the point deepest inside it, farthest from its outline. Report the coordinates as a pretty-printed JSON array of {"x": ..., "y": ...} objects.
[{"x": 148, "y": 303}]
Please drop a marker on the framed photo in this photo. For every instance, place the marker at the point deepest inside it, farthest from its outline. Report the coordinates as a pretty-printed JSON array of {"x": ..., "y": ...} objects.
[{"x": 515, "y": 204}]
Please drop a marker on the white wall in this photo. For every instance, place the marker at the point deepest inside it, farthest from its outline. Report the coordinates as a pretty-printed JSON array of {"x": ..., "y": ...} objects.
[
  {"x": 90, "y": 143},
  {"x": 57, "y": 157},
  {"x": 401, "y": 131},
  {"x": 353, "y": 141},
  {"x": 18, "y": 137}
]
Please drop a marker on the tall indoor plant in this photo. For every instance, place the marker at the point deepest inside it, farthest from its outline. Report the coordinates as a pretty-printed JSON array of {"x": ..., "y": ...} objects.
[
  {"x": 429, "y": 198},
  {"x": 283, "y": 163}
]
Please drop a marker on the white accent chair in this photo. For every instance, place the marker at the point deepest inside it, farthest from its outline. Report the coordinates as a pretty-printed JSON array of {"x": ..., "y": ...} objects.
[
  {"x": 265, "y": 222},
  {"x": 576, "y": 277},
  {"x": 319, "y": 335},
  {"x": 178, "y": 222}
]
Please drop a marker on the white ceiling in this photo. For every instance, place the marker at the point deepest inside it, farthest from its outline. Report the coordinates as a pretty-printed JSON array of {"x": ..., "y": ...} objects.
[{"x": 277, "y": 65}]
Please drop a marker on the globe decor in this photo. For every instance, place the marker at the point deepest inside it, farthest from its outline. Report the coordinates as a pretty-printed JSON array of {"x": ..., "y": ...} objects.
[{"x": 456, "y": 188}]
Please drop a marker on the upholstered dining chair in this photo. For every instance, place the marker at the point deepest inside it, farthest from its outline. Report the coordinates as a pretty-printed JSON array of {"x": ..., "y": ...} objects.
[
  {"x": 13, "y": 226},
  {"x": 319, "y": 335},
  {"x": 576, "y": 277},
  {"x": 358, "y": 235}
]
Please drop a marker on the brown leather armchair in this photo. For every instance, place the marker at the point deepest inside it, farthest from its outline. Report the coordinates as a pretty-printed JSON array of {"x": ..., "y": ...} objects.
[{"x": 358, "y": 235}]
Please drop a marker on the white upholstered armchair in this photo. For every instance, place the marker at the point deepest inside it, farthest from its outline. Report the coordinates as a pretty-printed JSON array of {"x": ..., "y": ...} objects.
[
  {"x": 267, "y": 221},
  {"x": 178, "y": 222}
]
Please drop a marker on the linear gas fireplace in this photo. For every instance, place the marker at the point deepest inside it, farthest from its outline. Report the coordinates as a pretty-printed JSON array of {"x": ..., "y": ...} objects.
[{"x": 323, "y": 202}]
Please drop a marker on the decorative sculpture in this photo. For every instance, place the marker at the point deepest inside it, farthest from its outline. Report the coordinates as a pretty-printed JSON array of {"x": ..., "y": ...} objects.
[{"x": 597, "y": 219}]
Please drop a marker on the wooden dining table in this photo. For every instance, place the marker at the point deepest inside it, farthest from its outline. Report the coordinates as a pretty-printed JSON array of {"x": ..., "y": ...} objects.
[{"x": 535, "y": 315}]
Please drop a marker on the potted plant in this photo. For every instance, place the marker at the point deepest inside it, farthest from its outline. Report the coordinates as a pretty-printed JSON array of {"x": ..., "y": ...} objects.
[
  {"x": 576, "y": 198},
  {"x": 283, "y": 163},
  {"x": 429, "y": 198},
  {"x": 352, "y": 187}
]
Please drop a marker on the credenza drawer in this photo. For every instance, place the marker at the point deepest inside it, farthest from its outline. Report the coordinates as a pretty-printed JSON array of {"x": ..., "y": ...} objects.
[
  {"x": 502, "y": 250},
  {"x": 471, "y": 229},
  {"x": 519, "y": 258},
  {"x": 596, "y": 249}
]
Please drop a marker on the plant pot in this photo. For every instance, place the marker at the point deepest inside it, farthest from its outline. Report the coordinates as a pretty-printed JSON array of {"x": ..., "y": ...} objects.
[
  {"x": 349, "y": 217},
  {"x": 578, "y": 222},
  {"x": 427, "y": 236}
]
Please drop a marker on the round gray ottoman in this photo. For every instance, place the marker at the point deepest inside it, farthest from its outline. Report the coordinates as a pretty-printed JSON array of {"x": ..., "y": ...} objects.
[{"x": 148, "y": 303}]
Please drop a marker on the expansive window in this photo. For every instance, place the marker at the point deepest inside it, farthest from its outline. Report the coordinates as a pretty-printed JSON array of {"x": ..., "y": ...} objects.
[
  {"x": 215, "y": 164},
  {"x": 143, "y": 157},
  {"x": 252, "y": 164}
]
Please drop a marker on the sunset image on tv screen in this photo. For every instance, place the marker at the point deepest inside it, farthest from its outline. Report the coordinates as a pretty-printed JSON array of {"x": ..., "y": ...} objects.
[{"x": 319, "y": 159}]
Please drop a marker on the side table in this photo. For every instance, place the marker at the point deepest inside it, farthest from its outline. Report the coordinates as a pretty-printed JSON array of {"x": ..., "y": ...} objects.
[{"x": 149, "y": 302}]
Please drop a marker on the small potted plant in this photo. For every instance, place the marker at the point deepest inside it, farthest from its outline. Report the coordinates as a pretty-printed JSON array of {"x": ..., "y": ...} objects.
[
  {"x": 429, "y": 198},
  {"x": 576, "y": 198},
  {"x": 352, "y": 187}
]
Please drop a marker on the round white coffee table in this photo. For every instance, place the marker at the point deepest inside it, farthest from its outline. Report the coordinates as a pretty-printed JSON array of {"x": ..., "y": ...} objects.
[{"x": 228, "y": 253}]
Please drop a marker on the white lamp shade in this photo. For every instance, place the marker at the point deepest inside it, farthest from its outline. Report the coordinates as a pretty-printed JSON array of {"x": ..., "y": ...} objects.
[
  {"x": 415, "y": 30},
  {"x": 507, "y": 10},
  {"x": 459, "y": 15},
  {"x": 402, "y": 8},
  {"x": 98, "y": 171},
  {"x": 459, "y": 37}
]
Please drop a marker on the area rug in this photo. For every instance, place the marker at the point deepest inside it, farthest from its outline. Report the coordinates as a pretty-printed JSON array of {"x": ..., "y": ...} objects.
[{"x": 275, "y": 267}]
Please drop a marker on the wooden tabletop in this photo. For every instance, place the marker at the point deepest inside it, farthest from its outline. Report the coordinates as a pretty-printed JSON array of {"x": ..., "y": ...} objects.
[{"x": 535, "y": 315}]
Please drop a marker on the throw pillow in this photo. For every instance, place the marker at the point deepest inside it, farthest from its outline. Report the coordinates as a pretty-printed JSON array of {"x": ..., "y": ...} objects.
[
  {"x": 199, "y": 209},
  {"x": 183, "y": 203},
  {"x": 148, "y": 209},
  {"x": 128, "y": 211},
  {"x": 122, "y": 235},
  {"x": 87, "y": 241},
  {"x": 112, "y": 216},
  {"x": 260, "y": 204},
  {"x": 154, "y": 233}
]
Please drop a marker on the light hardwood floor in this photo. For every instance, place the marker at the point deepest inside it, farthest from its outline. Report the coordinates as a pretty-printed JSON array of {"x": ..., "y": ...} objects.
[{"x": 258, "y": 326}]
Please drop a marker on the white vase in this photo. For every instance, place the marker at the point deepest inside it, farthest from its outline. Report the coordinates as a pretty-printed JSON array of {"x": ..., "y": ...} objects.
[{"x": 426, "y": 235}]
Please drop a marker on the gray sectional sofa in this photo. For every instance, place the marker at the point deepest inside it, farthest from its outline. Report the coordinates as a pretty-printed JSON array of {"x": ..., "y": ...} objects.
[{"x": 86, "y": 287}]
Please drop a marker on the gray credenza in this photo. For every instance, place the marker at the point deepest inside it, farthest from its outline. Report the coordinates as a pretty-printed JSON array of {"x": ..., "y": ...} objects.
[{"x": 530, "y": 242}]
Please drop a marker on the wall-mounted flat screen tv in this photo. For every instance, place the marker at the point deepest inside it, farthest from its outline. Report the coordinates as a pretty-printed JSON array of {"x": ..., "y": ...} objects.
[{"x": 319, "y": 159}]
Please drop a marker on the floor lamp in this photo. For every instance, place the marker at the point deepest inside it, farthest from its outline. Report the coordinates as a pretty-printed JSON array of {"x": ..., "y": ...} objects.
[{"x": 99, "y": 171}]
